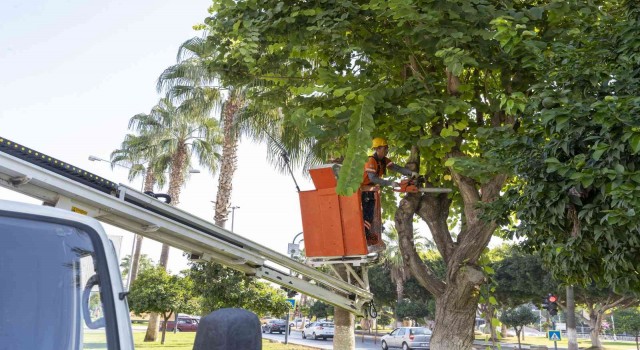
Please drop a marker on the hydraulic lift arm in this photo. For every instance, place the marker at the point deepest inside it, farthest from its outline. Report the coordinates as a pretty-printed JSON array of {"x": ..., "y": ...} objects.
[{"x": 62, "y": 185}]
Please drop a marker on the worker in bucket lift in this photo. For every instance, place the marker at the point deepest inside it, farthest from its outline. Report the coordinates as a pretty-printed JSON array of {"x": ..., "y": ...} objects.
[{"x": 374, "y": 169}]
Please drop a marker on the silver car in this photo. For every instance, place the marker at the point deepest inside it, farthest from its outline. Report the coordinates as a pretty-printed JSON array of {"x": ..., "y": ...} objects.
[{"x": 407, "y": 338}]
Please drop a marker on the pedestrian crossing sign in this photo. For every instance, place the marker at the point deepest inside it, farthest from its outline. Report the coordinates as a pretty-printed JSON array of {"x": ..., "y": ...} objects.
[
  {"x": 554, "y": 335},
  {"x": 292, "y": 303}
]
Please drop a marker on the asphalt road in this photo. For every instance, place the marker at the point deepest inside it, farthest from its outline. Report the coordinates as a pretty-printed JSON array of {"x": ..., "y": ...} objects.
[{"x": 296, "y": 338}]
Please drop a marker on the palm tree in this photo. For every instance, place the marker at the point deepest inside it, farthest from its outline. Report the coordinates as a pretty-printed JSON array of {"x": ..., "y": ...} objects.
[
  {"x": 392, "y": 258},
  {"x": 194, "y": 82},
  {"x": 179, "y": 134},
  {"x": 134, "y": 152},
  {"x": 191, "y": 82},
  {"x": 174, "y": 136}
]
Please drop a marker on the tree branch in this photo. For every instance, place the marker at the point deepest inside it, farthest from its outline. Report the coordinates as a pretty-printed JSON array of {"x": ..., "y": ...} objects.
[
  {"x": 434, "y": 210},
  {"x": 470, "y": 196},
  {"x": 404, "y": 224}
]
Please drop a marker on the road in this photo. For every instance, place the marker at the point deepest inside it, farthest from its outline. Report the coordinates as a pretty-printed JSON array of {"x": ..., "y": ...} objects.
[{"x": 296, "y": 338}]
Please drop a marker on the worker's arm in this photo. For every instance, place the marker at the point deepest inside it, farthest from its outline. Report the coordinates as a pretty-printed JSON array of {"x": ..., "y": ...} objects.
[
  {"x": 401, "y": 170},
  {"x": 380, "y": 181}
]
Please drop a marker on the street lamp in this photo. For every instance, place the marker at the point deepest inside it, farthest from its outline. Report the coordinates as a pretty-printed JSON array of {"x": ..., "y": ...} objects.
[{"x": 233, "y": 215}]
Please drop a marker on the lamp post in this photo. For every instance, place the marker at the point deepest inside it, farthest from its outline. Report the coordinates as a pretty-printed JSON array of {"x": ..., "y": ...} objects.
[
  {"x": 293, "y": 250},
  {"x": 233, "y": 215}
]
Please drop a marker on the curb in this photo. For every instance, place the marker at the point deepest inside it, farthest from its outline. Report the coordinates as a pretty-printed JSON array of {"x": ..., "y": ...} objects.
[{"x": 281, "y": 342}]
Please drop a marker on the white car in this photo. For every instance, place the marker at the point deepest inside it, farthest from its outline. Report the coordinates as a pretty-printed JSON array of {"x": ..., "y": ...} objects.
[
  {"x": 317, "y": 330},
  {"x": 297, "y": 323},
  {"x": 407, "y": 338}
]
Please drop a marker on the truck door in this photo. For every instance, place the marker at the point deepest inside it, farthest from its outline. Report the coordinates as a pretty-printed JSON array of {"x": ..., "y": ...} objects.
[{"x": 55, "y": 291}]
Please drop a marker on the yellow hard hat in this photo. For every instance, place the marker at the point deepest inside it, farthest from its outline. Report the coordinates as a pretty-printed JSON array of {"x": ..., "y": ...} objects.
[{"x": 378, "y": 142}]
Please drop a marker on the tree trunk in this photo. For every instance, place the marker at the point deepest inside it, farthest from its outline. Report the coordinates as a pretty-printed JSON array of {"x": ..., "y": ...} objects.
[
  {"x": 149, "y": 183},
  {"x": 455, "y": 315},
  {"x": 175, "y": 183},
  {"x": 164, "y": 256},
  {"x": 488, "y": 312},
  {"x": 572, "y": 333},
  {"x": 457, "y": 295},
  {"x": 164, "y": 329},
  {"x": 136, "y": 259},
  {"x": 152, "y": 328},
  {"x": 229, "y": 160},
  {"x": 399, "y": 297},
  {"x": 344, "y": 337},
  {"x": 518, "y": 331},
  {"x": 595, "y": 322}
]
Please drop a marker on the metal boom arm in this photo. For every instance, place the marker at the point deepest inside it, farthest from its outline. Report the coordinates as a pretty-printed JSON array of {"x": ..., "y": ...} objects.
[{"x": 62, "y": 185}]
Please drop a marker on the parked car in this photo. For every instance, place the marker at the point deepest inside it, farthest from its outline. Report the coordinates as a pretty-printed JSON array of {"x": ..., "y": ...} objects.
[
  {"x": 277, "y": 326},
  {"x": 317, "y": 330},
  {"x": 185, "y": 324},
  {"x": 266, "y": 319},
  {"x": 297, "y": 323},
  {"x": 407, "y": 338}
]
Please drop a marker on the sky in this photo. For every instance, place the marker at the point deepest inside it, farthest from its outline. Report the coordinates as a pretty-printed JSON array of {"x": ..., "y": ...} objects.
[{"x": 72, "y": 73}]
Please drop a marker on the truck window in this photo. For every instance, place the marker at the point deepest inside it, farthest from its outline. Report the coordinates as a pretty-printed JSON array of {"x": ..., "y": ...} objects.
[{"x": 50, "y": 294}]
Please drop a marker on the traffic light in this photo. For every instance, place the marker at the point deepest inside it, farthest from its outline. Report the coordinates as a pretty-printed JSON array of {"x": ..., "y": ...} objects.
[
  {"x": 550, "y": 303},
  {"x": 553, "y": 305}
]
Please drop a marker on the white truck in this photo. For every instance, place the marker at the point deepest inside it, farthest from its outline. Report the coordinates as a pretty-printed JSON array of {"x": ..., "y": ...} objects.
[{"x": 61, "y": 286}]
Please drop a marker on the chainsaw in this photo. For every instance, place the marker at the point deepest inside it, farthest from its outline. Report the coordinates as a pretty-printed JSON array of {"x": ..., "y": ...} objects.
[{"x": 417, "y": 185}]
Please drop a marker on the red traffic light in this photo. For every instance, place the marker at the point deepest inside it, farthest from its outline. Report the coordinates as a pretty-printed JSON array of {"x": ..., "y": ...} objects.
[{"x": 552, "y": 298}]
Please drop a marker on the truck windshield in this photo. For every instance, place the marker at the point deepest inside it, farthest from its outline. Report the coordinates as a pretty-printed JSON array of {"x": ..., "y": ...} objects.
[{"x": 49, "y": 295}]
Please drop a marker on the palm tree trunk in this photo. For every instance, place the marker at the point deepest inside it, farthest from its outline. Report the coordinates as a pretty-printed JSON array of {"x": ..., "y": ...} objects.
[
  {"x": 149, "y": 183},
  {"x": 175, "y": 183},
  {"x": 229, "y": 160},
  {"x": 344, "y": 337},
  {"x": 136, "y": 259}
]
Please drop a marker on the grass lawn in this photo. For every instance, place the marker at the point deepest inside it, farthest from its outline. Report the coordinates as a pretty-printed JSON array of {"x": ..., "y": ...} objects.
[
  {"x": 184, "y": 341},
  {"x": 582, "y": 343}
]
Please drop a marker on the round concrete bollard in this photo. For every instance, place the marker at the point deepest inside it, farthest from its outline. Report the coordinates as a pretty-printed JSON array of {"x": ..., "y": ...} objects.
[{"x": 226, "y": 329}]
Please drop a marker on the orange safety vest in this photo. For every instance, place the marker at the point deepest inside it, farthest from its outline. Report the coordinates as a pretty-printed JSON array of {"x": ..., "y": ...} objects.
[{"x": 375, "y": 165}]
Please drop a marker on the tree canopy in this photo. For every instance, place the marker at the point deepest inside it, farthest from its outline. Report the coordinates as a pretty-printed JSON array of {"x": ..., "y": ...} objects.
[
  {"x": 154, "y": 290},
  {"x": 221, "y": 287},
  {"x": 518, "y": 318},
  {"x": 459, "y": 88},
  {"x": 578, "y": 158}
]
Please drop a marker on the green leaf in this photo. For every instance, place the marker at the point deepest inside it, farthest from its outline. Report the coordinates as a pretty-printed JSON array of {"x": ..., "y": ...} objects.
[
  {"x": 597, "y": 154},
  {"x": 635, "y": 143}
]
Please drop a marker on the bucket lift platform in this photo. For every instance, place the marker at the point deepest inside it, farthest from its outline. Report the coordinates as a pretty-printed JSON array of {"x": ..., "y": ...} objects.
[{"x": 333, "y": 225}]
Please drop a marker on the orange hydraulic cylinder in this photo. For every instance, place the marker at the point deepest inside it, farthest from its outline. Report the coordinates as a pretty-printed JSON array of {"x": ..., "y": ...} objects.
[{"x": 333, "y": 225}]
